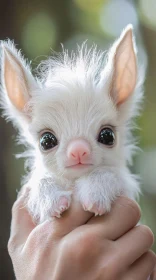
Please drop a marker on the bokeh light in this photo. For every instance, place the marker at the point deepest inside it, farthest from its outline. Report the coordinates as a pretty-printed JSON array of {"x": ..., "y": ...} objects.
[
  {"x": 115, "y": 15},
  {"x": 90, "y": 5},
  {"x": 85, "y": 19},
  {"x": 39, "y": 34}
]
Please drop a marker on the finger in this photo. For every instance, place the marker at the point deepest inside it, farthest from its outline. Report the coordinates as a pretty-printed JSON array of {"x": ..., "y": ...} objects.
[
  {"x": 55, "y": 228},
  {"x": 123, "y": 216},
  {"x": 143, "y": 267},
  {"x": 21, "y": 224},
  {"x": 153, "y": 275},
  {"x": 133, "y": 245},
  {"x": 74, "y": 217}
]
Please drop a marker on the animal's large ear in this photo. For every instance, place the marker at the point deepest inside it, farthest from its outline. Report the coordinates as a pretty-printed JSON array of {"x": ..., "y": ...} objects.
[
  {"x": 122, "y": 67},
  {"x": 17, "y": 82}
]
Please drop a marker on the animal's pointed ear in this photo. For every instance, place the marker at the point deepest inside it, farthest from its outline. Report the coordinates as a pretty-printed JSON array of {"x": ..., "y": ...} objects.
[
  {"x": 123, "y": 66},
  {"x": 17, "y": 80}
]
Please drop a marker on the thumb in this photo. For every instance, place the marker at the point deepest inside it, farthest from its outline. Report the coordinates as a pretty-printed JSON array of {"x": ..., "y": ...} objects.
[{"x": 21, "y": 224}]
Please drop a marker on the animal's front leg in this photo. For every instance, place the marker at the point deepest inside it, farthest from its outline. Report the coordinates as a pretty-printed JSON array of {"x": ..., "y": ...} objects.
[
  {"x": 100, "y": 188},
  {"x": 47, "y": 199}
]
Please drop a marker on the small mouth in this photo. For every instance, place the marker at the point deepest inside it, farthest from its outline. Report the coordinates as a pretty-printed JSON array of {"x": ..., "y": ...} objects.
[{"x": 79, "y": 166}]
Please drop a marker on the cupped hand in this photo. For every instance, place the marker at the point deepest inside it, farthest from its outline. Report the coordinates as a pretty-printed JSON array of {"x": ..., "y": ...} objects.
[{"x": 81, "y": 246}]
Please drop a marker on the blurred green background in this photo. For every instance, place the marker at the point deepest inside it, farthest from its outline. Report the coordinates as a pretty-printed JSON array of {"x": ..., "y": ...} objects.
[{"x": 39, "y": 26}]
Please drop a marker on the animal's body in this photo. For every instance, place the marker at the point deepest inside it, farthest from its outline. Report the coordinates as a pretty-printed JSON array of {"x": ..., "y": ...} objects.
[{"x": 76, "y": 117}]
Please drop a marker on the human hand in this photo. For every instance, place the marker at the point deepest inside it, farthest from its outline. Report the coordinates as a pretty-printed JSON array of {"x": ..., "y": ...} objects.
[
  {"x": 80, "y": 246},
  {"x": 153, "y": 276}
]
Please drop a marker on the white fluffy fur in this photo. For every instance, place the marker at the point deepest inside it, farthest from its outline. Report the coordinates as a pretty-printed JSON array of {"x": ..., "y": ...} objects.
[{"x": 71, "y": 97}]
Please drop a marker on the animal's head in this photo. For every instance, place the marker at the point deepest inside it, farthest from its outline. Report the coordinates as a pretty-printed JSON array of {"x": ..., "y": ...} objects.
[{"x": 76, "y": 114}]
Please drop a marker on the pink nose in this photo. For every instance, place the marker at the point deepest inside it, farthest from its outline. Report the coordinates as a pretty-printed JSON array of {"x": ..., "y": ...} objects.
[{"x": 78, "y": 150}]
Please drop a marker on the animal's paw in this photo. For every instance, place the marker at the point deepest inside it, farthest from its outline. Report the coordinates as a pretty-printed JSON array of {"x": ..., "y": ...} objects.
[
  {"x": 49, "y": 205},
  {"x": 95, "y": 207},
  {"x": 93, "y": 198},
  {"x": 61, "y": 205},
  {"x": 98, "y": 206}
]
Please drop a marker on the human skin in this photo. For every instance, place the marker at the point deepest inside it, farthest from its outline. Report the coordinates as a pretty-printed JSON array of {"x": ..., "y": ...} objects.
[
  {"x": 153, "y": 276},
  {"x": 81, "y": 246}
]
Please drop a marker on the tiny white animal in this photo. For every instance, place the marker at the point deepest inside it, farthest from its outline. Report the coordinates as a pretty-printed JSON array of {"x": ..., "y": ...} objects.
[{"x": 75, "y": 120}]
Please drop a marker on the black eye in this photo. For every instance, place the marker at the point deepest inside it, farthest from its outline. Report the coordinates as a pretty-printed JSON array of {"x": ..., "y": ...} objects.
[
  {"x": 106, "y": 136},
  {"x": 48, "y": 141}
]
